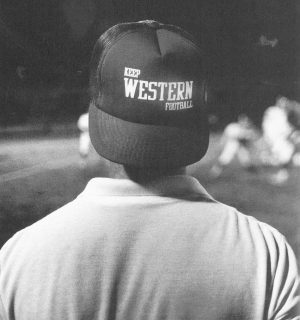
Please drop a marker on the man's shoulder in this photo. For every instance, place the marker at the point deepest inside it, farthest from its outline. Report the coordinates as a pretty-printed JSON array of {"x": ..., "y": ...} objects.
[
  {"x": 38, "y": 232},
  {"x": 68, "y": 224},
  {"x": 257, "y": 231},
  {"x": 264, "y": 227}
]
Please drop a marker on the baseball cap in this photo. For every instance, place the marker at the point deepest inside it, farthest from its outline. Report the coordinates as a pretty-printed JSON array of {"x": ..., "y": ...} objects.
[{"x": 147, "y": 104}]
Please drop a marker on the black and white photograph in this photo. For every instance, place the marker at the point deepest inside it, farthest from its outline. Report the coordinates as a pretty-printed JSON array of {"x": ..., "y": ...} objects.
[{"x": 149, "y": 160}]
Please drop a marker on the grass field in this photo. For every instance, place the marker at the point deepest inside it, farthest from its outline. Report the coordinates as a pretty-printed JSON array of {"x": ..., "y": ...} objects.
[{"x": 38, "y": 175}]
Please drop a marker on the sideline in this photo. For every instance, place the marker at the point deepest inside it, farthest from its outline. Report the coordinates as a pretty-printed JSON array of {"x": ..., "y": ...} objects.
[{"x": 39, "y": 168}]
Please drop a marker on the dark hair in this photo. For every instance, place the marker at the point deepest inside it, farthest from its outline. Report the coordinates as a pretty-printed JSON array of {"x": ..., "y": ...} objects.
[{"x": 109, "y": 37}]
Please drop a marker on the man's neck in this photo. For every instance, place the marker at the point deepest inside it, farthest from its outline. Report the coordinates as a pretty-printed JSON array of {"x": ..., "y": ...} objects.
[{"x": 141, "y": 175}]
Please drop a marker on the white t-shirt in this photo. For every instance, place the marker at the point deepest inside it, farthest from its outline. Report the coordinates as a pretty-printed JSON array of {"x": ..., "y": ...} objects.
[
  {"x": 236, "y": 131},
  {"x": 276, "y": 132},
  {"x": 83, "y": 122},
  {"x": 275, "y": 124},
  {"x": 166, "y": 250}
]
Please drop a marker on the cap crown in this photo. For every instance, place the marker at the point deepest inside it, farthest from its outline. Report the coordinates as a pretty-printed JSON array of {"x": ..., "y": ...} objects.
[{"x": 150, "y": 74}]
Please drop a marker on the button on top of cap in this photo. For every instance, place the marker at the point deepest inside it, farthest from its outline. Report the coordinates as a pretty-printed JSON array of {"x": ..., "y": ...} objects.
[{"x": 153, "y": 24}]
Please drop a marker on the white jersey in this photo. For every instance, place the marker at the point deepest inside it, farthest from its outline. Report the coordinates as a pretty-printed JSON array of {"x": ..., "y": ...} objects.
[
  {"x": 276, "y": 132},
  {"x": 83, "y": 122},
  {"x": 84, "y": 138},
  {"x": 236, "y": 131},
  {"x": 275, "y": 124}
]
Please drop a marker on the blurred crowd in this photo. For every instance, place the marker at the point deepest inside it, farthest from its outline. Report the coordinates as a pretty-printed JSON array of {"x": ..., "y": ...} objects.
[{"x": 276, "y": 143}]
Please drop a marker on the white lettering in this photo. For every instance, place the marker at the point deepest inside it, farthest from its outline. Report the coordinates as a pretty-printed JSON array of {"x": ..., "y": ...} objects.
[
  {"x": 130, "y": 72},
  {"x": 162, "y": 86},
  {"x": 171, "y": 106},
  {"x": 180, "y": 91},
  {"x": 171, "y": 91},
  {"x": 143, "y": 86},
  {"x": 130, "y": 87},
  {"x": 188, "y": 89},
  {"x": 162, "y": 91},
  {"x": 152, "y": 90},
  {"x": 189, "y": 104}
]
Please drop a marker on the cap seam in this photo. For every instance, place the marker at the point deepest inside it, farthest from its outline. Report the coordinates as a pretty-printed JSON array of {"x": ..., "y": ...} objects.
[
  {"x": 157, "y": 42},
  {"x": 189, "y": 41}
]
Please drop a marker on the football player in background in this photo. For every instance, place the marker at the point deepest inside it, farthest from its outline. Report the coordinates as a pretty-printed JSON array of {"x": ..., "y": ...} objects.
[
  {"x": 84, "y": 138},
  {"x": 237, "y": 141},
  {"x": 277, "y": 132}
]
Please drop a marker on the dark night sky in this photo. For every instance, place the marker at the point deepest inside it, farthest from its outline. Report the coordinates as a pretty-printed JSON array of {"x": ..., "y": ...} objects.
[
  {"x": 54, "y": 38},
  {"x": 64, "y": 31}
]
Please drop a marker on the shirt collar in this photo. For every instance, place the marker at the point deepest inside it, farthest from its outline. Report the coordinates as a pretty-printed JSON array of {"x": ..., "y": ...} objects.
[{"x": 177, "y": 185}]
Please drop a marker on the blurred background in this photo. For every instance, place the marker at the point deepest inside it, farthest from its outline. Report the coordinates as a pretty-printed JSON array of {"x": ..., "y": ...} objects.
[{"x": 251, "y": 51}]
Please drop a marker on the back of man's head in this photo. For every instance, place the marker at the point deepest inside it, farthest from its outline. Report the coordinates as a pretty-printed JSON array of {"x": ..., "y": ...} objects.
[{"x": 147, "y": 109}]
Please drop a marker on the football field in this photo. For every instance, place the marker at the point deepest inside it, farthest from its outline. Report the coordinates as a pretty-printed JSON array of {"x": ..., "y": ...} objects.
[{"x": 38, "y": 175}]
